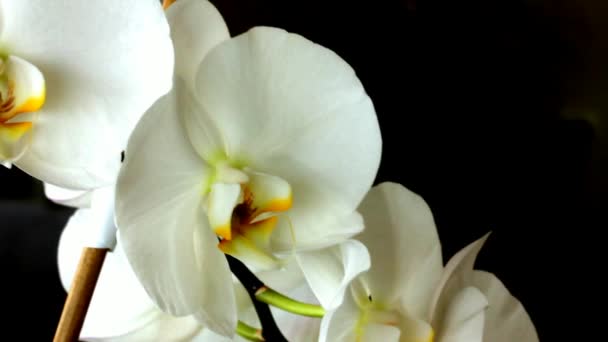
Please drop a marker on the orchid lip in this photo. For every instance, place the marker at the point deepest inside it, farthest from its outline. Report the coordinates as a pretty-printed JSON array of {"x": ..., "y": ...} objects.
[
  {"x": 22, "y": 90},
  {"x": 242, "y": 207}
]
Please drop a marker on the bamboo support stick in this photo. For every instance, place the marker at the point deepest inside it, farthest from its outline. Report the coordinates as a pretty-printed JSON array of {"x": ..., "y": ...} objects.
[{"x": 79, "y": 297}]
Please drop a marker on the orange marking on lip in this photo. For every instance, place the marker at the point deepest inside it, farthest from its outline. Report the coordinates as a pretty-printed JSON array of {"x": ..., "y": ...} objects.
[
  {"x": 7, "y": 107},
  {"x": 234, "y": 246},
  {"x": 259, "y": 232},
  {"x": 32, "y": 104},
  {"x": 15, "y": 130},
  {"x": 265, "y": 226},
  {"x": 281, "y": 204},
  {"x": 167, "y": 3},
  {"x": 224, "y": 231},
  {"x": 225, "y": 246}
]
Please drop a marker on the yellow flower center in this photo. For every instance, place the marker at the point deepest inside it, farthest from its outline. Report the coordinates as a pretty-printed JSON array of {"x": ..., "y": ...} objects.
[
  {"x": 22, "y": 90},
  {"x": 242, "y": 207}
]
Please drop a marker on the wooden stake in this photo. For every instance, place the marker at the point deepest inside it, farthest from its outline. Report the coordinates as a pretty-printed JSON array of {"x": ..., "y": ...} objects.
[{"x": 79, "y": 297}]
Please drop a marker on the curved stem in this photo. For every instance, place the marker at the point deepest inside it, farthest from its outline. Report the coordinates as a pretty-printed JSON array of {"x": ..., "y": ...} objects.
[
  {"x": 271, "y": 297},
  {"x": 248, "y": 332},
  {"x": 252, "y": 284}
]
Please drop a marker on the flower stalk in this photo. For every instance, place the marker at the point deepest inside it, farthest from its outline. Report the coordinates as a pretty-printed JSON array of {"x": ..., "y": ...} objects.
[
  {"x": 248, "y": 332},
  {"x": 271, "y": 297}
]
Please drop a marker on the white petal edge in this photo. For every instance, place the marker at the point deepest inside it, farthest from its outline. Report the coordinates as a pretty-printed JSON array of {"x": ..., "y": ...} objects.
[
  {"x": 464, "y": 317},
  {"x": 68, "y": 197},
  {"x": 329, "y": 271},
  {"x": 405, "y": 251},
  {"x": 286, "y": 278},
  {"x": 168, "y": 328},
  {"x": 286, "y": 239},
  {"x": 456, "y": 276},
  {"x": 196, "y": 27},
  {"x": 506, "y": 318},
  {"x": 340, "y": 324}
]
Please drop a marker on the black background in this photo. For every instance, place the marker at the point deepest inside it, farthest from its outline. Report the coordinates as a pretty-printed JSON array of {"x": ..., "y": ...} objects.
[{"x": 493, "y": 111}]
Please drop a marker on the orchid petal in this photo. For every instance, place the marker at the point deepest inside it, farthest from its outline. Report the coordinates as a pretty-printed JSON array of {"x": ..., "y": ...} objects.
[
  {"x": 380, "y": 332},
  {"x": 168, "y": 328},
  {"x": 104, "y": 63},
  {"x": 196, "y": 27},
  {"x": 297, "y": 328},
  {"x": 285, "y": 238},
  {"x": 286, "y": 279},
  {"x": 456, "y": 276},
  {"x": 285, "y": 106},
  {"x": 207, "y": 335},
  {"x": 271, "y": 194},
  {"x": 68, "y": 197},
  {"x": 246, "y": 250},
  {"x": 329, "y": 271},
  {"x": 464, "y": 317},
  {"x": 353, "y": 322},
  {"x": 415, "y": 330},
  {"x": 404, "y": 247},
  {"x": 259, "y": 232},
  {"x": 163, "y": 225},
  {"x": 341, "y": 324},
  {"x": 506, "y": 318},
  {"x": 14, "y": 140}
]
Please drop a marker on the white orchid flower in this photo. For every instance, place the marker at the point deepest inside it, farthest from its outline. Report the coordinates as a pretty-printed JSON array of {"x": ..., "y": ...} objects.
[
  {"x": 267, "y": 141},
  {"x": 408, "y": 295},
  {"x": 120, "y": 309},
  {"x": 75, "y": 77}
]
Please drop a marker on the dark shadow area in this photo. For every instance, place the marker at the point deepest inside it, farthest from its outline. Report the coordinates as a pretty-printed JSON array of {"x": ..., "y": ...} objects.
[{"x": 33, "y": 295}]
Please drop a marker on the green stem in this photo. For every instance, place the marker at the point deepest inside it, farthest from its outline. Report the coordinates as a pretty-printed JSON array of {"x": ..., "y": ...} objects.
[
  {"x": 248, "y": 332},
  {"x": 271, "y": 297}
]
